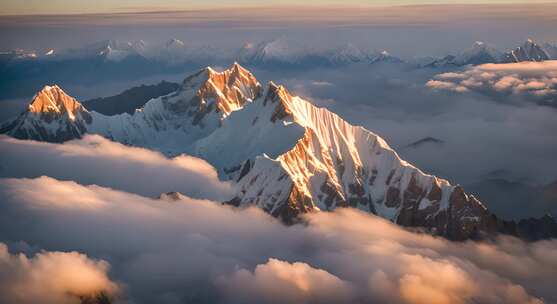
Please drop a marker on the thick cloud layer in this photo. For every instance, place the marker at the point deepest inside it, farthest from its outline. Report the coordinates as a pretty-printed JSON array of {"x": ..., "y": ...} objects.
[
  {"x": 200, "y": 251},
  {"x": 52, "y": 278},
  {"x": 535, "y": 80},
  {"x": 96, "y": 160},
  {"x": 282, "y": 282}
]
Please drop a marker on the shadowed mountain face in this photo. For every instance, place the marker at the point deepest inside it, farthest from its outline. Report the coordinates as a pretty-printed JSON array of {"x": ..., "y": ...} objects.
[
  {"x": 131, "y": 99},
  {"x": 529, "y": 51},
  {"x": 285, "y": 155},
  {"x": 425, "y": 142}
]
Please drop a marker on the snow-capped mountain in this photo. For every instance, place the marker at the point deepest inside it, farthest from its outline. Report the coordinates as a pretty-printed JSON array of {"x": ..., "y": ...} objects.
[
  {"x": 383, "y": 56},
  {"x": 108, "y": 50},
  {"x": 281, "y": 51},
  {"x": 172, "y": 52},
  {"x": 347, "y": 54},
  {"x": 51, "y": 116},
  {"x": 529, "y": 51},
  {"x": 285, "y": 155},
  {"x": 479, "y": 53},
  {"x": 275, "y": 51},
  {"x": 482, "y": 53},
  {"x": 335, "y": 164}
]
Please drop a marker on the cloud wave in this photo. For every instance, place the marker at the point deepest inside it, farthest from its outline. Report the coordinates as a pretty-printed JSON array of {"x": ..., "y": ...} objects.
[
  {"x": 536, "y": 80},
  {"x": 200, "y": 251},
  {"x": 97, "y": 160}
]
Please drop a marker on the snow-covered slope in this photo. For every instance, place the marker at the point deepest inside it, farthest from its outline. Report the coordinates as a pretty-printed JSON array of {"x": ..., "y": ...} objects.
[{"x": 286, "y": 155}]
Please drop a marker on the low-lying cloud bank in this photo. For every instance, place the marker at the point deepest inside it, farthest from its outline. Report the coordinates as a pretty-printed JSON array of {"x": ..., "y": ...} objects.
[
  {"x": 97, "y": 160},
  {"x": 197, "y": 251},
  {"x": 52, "y": 278},
  {"x": 537, "y": 80}
]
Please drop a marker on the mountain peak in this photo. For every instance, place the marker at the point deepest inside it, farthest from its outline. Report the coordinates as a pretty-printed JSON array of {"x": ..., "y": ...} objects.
[
  {"x": 52, "y": 116},
  {"x": 225, "y": 91},
  {"x": 175, "y": 43},
  {"x": 529, "y": 51},
  {"x": 52, "y": 99}
]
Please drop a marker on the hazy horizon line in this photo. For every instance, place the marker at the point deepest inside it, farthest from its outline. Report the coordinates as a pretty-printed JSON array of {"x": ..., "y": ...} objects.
[{"x": 279, "y": 7}]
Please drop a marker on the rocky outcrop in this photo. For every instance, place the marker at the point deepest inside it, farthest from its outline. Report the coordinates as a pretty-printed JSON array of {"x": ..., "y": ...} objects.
[{"x": 529, "y": 51}]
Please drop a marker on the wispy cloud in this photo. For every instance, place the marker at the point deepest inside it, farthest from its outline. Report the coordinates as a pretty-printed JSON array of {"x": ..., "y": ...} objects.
[{"x": 97, "y": 160}]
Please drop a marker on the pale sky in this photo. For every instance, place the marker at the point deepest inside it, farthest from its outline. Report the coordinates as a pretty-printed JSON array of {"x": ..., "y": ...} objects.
[{"x": 108, "y": 6}]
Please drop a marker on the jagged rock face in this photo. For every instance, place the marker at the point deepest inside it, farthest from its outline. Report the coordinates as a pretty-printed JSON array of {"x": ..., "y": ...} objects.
[
  {"x": 51, "y": 116},
  {"x": 337, "y": 165},
  {"x": 224, "y": 92},
  {"x": 285, "y": 155},
  {"x": 530, "y": 51}
]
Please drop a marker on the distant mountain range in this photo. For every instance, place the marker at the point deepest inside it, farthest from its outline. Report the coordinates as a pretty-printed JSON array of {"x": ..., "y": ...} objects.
[
  {"x": 278, "y": 51},
  {"x": 481, "y": 53},
  {"x": 176, "y": 52},
  {"x": 282, "y": 153},
  {"x": 24, "y": 72}
]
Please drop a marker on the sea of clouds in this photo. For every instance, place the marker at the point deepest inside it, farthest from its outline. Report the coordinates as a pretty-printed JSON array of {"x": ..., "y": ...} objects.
[
  {"x": 71, "y": 236},
  {"x": 143, "y": 250}
]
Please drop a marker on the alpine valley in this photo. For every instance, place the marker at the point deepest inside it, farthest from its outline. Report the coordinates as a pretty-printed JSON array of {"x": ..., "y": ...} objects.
[{"x": 281, "y": 152}]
